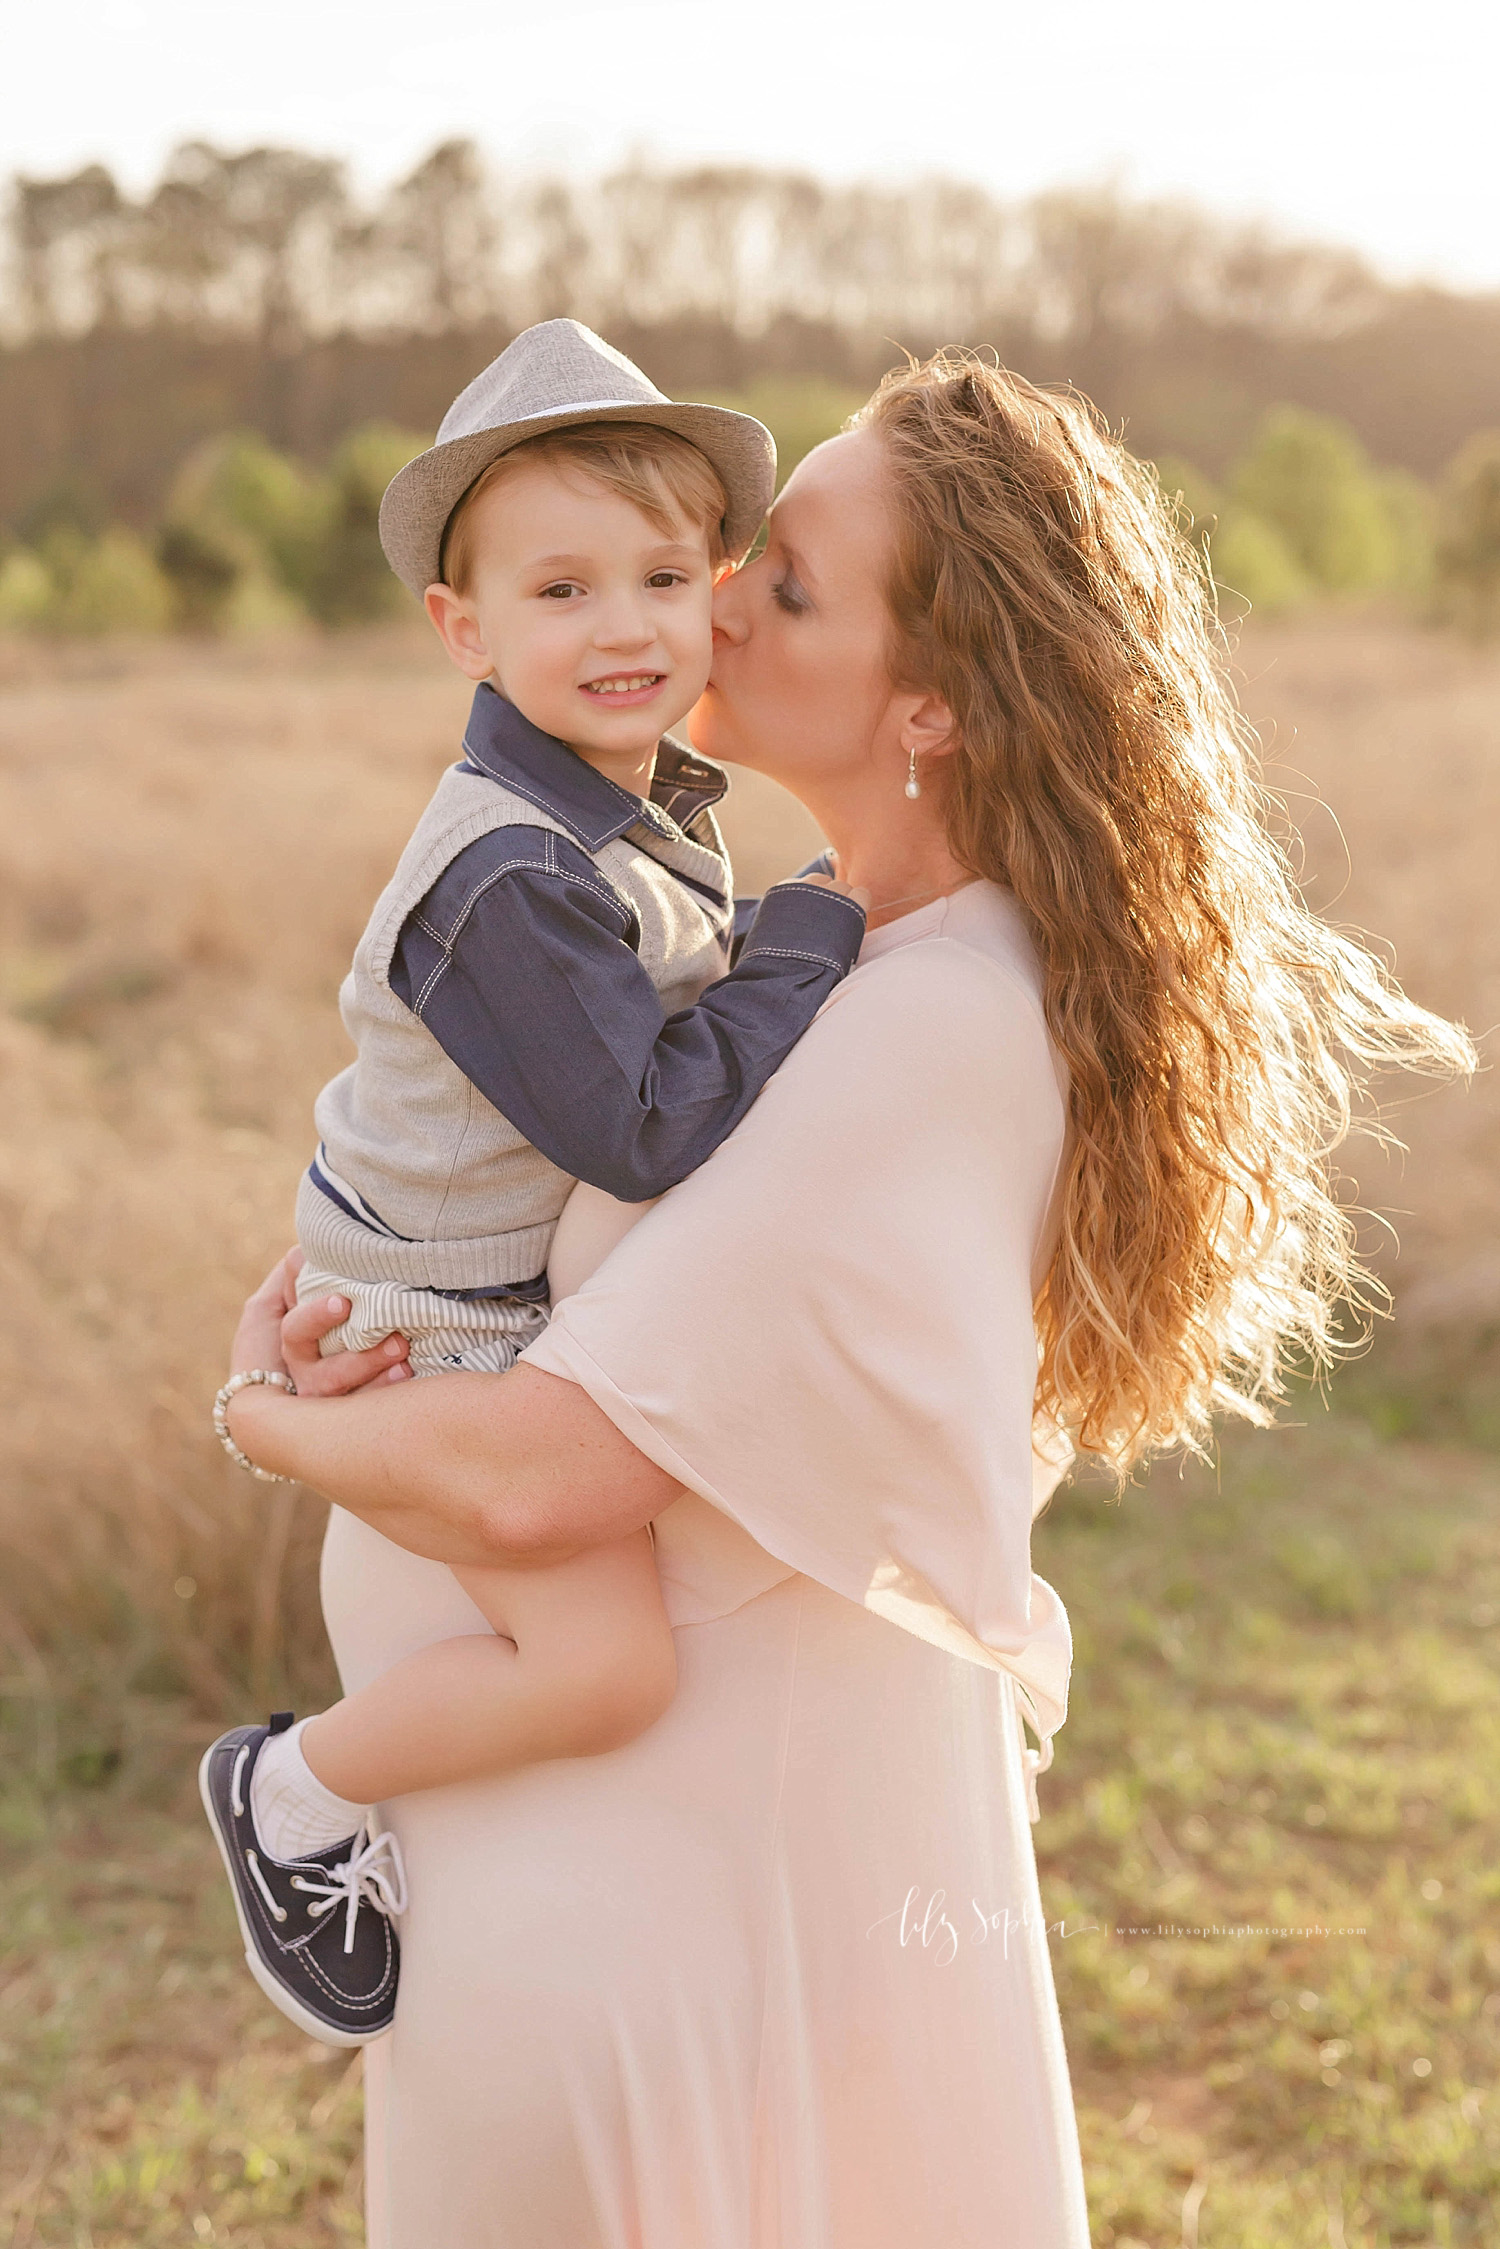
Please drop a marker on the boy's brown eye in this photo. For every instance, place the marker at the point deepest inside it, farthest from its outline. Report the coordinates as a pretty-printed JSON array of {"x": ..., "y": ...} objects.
[{"x": 665, "y": 578}]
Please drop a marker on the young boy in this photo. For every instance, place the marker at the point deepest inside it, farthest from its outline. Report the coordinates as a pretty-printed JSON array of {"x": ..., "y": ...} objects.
[{"x": 541, "y": 996}]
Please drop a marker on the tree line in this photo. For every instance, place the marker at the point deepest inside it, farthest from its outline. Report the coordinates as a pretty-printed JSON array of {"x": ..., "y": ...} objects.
[
  {"x": 254, "y": 289},
  {"x": 269, "y": 244}
]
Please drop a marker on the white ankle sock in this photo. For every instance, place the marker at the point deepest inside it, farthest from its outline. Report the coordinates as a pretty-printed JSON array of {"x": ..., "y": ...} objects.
[{"x": 293, "y": 1812}]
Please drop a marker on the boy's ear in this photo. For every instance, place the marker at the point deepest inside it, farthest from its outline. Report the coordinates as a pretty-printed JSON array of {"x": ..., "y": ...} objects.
[{"x": 456, "y": 624}]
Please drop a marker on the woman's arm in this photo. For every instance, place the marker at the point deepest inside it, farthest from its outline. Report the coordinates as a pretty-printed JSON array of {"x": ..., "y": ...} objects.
[{"x": 519, "y": 1468}]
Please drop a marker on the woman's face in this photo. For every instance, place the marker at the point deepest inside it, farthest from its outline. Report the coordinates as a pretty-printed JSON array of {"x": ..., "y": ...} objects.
[{"x": 799, "y": 687}]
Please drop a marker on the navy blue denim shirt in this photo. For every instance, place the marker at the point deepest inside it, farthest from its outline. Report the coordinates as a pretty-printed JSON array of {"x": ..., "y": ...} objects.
[{"x": 521, "y": 961}]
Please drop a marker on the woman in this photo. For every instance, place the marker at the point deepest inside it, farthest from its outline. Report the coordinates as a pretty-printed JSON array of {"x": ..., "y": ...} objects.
[{"x": 1054, "y": 1156}]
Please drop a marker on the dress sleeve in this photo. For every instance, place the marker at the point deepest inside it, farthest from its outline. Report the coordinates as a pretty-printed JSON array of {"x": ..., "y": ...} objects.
[{"x": 826, "y": 1332}]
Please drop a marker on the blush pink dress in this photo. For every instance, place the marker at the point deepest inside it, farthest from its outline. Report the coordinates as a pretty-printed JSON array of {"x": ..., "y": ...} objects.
[{"x": 776, "y": 1976}]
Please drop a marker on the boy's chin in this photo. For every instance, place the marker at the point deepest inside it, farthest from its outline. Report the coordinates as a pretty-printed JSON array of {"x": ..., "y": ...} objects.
[{"x": 635, "y": 737}]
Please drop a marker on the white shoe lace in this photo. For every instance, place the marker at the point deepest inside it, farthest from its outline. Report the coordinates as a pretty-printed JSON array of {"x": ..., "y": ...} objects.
[{"x": 373, "y": 1876}]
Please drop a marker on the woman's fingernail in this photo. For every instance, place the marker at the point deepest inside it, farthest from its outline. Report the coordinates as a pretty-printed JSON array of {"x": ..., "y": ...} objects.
[
  {"x": 339, "y": 1304},
  {"x": 394, "y": 1347},
  {"x": 397, "y": 1374}
]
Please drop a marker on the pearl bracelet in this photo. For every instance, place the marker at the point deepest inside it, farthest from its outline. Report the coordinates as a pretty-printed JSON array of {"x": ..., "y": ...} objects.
[{"x": 232, "y": 1388}]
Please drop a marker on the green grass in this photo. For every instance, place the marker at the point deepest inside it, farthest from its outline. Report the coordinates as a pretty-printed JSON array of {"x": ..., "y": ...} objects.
[
  {"x": 148, "y": 2095},
  {"x": 1285, "y": 1714}
]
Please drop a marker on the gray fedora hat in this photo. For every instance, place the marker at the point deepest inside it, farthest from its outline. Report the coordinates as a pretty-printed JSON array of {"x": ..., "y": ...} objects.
[{"x": 554, "y": 374}]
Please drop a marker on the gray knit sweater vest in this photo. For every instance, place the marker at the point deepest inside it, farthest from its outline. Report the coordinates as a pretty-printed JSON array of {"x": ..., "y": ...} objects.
[{"x": 476, "y": 1203}]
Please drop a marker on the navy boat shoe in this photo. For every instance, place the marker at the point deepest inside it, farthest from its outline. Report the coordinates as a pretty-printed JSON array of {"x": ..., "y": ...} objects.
[{"x": 318, "y": 1930}]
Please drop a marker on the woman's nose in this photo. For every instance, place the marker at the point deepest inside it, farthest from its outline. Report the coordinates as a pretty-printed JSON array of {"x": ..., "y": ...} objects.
[{"x": 729, "y": 618}]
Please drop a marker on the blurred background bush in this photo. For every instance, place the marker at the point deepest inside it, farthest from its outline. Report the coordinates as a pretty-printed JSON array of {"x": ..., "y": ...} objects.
[{"x": 250, "y": 538}]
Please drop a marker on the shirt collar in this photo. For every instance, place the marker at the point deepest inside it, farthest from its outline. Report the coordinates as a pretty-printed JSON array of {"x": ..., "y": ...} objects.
[{"x": 499, "y": 742}]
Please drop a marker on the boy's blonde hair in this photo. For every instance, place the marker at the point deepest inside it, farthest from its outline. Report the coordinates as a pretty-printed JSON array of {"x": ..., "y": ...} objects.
[{"x": 662, "y": 474}]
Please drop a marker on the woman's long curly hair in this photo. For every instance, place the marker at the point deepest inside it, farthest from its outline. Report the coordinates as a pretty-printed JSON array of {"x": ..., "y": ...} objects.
[{"x": 1217, "y": 1034}]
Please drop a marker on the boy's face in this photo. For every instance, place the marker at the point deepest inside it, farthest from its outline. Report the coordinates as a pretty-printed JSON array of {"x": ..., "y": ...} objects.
[{"x": 586, "y": 615}]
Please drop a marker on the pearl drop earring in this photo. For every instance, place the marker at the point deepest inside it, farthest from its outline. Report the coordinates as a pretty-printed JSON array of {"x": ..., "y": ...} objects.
[{"x": 913, "y": 785}]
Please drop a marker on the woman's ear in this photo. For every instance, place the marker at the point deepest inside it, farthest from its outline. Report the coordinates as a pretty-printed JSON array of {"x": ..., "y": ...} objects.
[
  {"x": 456, "y": 624},
  {"x": 927, "y": 726}
]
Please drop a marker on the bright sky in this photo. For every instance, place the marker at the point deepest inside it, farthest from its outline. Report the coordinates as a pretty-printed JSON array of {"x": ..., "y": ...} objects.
[{"x": 1356, "y": 121}]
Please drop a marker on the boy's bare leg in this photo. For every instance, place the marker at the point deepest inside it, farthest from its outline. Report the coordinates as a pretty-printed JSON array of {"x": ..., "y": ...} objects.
[{"x": 581, "y": 1660}]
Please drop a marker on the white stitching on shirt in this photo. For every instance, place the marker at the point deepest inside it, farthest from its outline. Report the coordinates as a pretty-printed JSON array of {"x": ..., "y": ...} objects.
[
  {"x": 598, "y": 889},
  {"x": 791, "y": 953},
  {"x": 517, "y": 785},
  {"x": 819, "y": 892},
  {"x": 529, "y": 866}
]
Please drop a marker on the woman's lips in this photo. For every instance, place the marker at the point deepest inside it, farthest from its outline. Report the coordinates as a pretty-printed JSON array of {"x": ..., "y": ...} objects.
[{"x": 622, "y": 691}]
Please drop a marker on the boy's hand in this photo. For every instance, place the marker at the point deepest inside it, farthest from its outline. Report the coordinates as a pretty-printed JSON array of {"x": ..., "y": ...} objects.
[
  {"x": 281, "y": 1335},
  {"x": 844, "y": 889}
]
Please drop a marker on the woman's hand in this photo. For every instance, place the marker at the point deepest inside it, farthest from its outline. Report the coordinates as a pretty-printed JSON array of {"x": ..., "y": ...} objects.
[
  {"x": 478, "y": 1469},
  {"x": 281, "y": 1335}
]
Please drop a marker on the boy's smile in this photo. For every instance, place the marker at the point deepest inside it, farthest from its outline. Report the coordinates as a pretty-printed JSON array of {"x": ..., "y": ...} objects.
[
  {"x": 639, "y": 687},
  {"x": 593, "y": 619}
]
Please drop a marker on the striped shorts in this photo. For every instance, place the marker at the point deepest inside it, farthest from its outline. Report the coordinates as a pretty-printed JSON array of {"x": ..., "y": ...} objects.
[{"x": 484, "y": 1335}]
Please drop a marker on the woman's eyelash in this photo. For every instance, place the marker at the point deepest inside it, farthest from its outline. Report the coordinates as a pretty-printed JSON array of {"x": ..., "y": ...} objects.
[{"x": 788, "y": 595}]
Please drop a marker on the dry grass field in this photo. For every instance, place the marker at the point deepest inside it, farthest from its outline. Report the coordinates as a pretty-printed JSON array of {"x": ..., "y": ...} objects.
[{"x": 189, "y": 840}]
